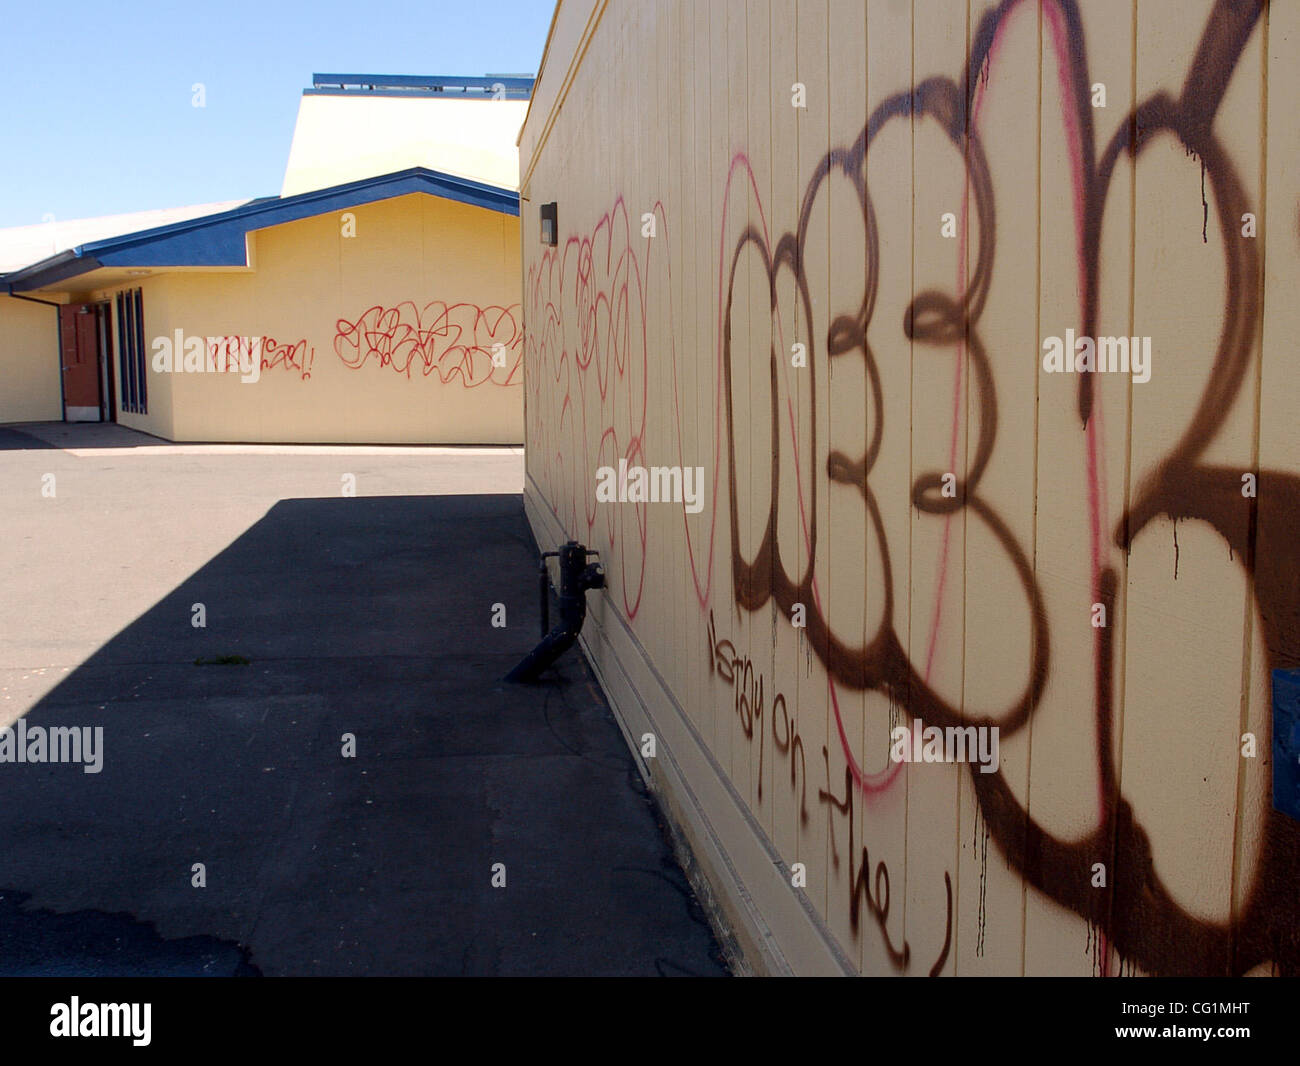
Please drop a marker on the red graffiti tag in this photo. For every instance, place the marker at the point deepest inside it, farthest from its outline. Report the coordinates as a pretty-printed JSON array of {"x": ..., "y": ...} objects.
[{"x": 462, "y": 341}]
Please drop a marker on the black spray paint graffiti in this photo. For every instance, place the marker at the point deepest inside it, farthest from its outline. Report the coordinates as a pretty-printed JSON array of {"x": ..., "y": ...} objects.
[
  {"x": 865, "y": 887},
  {"x": 1142, "y": 920}
]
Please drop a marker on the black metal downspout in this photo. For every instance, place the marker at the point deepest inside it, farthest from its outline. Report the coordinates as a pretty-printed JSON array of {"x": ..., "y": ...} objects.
[
  {"x": 58, "y": 332},
  {"x": 576, "y": 577}
]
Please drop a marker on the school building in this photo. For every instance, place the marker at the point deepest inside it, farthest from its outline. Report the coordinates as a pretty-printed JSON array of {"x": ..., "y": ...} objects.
[
  {"x": 376, "y": 299},
  {"x": 980, "y": 656}
]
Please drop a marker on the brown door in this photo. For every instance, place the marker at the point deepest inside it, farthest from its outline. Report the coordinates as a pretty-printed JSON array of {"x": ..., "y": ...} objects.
[{"x": 80, "y": 333}]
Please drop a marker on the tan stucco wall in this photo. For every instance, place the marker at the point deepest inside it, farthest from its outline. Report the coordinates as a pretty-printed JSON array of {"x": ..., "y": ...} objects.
[
  {"x": 29, "y": 362},
  {"x": 159, "y": 418},
  {"x": 1121, "y": 744},
  {"x": 386, "y": 336},
  {"x": 338, "y": 139}
]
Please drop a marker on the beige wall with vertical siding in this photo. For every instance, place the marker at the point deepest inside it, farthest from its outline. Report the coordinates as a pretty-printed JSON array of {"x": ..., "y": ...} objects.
[{"x": 1120, "y": 745}]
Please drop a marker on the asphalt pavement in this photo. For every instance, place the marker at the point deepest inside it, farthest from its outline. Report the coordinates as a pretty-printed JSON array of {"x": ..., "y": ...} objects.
[{"x": 329, "y": 775}]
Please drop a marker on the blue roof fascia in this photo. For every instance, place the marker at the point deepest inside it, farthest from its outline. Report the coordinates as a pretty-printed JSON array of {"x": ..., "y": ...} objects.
[
  {"x": 59, "y": 267},
  {"x": 221, "y": 239}
]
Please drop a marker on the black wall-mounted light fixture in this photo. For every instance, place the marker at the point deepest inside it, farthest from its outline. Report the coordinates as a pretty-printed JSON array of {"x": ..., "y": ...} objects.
[{"x": 550, "y": 224}]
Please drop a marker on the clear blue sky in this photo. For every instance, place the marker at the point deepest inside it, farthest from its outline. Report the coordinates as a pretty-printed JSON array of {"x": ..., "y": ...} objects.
[{"x": 97, "y": 116}]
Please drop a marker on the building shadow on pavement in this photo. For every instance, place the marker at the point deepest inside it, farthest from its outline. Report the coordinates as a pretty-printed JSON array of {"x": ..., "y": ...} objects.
[
  {"x": 224, "y": 745},
  {"x": 15, "y": 440},
  {"x": 28, "y": 436}
]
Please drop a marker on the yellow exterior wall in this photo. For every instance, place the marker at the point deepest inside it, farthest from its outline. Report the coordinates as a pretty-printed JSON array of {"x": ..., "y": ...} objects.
[
  {"x": 385, "y": 336},
  {"x": 955, "y": 191},
  {"x": 29, "y": 362},
  {"x": 159, "y": 418},
  {"x": 338, "y": 139}
]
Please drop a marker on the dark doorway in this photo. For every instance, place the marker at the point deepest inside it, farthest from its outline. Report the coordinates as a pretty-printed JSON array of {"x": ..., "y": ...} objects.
[{"x": 104, "y": 342}]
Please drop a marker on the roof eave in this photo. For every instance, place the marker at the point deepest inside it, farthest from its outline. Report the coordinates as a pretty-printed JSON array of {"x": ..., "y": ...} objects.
[{"x": 182, "y": 244}]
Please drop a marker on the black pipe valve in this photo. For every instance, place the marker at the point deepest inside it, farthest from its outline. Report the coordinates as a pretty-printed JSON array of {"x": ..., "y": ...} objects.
[{"x": 577, "y": 576}]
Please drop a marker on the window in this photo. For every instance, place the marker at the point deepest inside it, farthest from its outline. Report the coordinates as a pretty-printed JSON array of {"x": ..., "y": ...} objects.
[
  {"x": 131, "y": 353},
  {"x": 550, "y": 223}
]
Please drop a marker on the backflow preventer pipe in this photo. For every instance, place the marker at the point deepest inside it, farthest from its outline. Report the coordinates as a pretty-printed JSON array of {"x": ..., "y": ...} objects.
[{"x": 576, "y": 577}]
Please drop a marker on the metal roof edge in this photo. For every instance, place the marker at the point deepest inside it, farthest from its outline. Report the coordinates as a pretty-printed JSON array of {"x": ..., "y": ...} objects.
[{"x": 229, "y": 228}]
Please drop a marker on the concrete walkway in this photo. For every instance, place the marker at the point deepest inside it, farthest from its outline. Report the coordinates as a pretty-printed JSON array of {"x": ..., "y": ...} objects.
[{"x": 367, "y": 615}]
